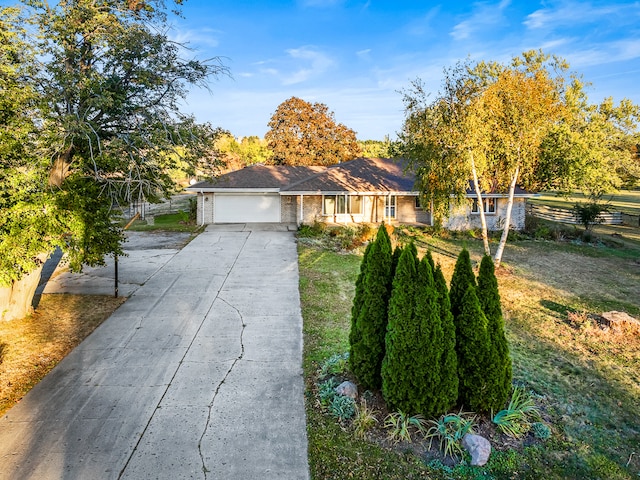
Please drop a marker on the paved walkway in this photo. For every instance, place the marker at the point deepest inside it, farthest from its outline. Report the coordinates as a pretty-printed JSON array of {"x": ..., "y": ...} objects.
[{"x": 198, "y": 375}]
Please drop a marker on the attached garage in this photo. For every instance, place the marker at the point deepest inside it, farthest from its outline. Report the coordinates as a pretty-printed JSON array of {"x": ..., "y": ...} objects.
[{"x": 246, "y": 208}]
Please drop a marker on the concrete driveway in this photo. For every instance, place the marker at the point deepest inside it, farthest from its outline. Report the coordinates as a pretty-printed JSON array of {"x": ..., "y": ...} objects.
[{"x": 198, "y": 375}]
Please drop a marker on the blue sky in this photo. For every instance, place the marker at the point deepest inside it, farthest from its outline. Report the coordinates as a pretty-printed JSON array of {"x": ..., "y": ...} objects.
[{"x": 354, "y": 56}]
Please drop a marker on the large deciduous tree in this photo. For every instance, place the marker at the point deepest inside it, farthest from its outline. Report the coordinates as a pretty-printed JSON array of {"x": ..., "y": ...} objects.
[
  {"x": 303, "y": 133},
  {"x": 99, "y": 86},
  {"x": 526, "y": 122}
]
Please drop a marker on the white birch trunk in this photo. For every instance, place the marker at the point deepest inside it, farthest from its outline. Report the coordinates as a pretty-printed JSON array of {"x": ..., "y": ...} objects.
[
  {"x": 483, "y": 220},
  {"x": 507, "y": 223}
]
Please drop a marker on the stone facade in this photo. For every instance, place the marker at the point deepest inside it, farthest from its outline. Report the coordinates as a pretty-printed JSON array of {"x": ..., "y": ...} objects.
[{"x": 462, "y": 218}]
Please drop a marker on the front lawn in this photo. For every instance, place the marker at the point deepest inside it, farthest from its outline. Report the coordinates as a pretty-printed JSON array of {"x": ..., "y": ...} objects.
[{"x": 583, "y": 376}]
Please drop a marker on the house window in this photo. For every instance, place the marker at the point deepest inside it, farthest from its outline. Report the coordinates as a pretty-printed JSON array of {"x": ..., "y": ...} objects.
[
  {"x": 489, "y": 205},
  {"x": 341, "y": 204},
  {"x": 418, "y": 203},
  {"x": 390, "y": 206}
]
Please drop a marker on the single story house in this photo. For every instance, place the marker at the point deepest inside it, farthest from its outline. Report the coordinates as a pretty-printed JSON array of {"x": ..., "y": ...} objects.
[{"x": 369, "y": 190}]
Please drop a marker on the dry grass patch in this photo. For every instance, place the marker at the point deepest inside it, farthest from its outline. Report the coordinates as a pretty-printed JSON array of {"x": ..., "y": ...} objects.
[{"x": 31, "y": 347}]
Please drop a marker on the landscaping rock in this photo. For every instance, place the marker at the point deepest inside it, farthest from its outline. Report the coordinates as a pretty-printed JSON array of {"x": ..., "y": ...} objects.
[
  {"x": 347, "y": 389},
  {"x": 478, "y": 447}
]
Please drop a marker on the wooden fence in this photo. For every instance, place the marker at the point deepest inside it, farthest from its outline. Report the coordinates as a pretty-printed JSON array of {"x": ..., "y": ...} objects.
[{"x": 564, "y": 215}]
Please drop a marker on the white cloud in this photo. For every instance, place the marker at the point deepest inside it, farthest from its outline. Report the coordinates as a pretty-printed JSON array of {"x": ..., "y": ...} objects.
[
  {"x": 196, "y": 39},
  {"x": 581, "y": 13},
  {"x": 485, "y": 15},
  {"x": 316, "y": 63}
]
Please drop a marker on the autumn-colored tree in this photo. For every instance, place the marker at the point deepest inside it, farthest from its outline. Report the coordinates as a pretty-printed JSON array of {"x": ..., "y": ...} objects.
[
  {"x": 303, "y": 133},
  {"x": 519, "y": 107},
  {"x": 526, "y": 122}
]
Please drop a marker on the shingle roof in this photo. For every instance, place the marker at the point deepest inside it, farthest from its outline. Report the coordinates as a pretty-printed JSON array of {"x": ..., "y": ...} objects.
[
  {"x": 371, "y": 175},
  {"x": 259, "y": 177},
  {"x": 362, "y": 175}
]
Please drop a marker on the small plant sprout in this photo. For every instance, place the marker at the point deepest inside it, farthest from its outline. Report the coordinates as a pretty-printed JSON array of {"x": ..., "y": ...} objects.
[
  {"x": 451, "y": 429},
  {"x": 342, "y": 407},
  {"x": 516, "y": 419},
  {"x": 364, "y": 420},
  {"x": 327, "y": 391},
  {"x": 400, "y": 426},
  {"x": 335, "y": 365},
  {"x": 541, "y": 430}
]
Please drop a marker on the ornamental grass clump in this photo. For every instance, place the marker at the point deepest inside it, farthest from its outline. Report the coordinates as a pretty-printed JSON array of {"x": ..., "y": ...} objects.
[
  {"x": 401, "y": 426},
  {"x": 517, "y": 418},
  {"x": 450, "y": 430}
]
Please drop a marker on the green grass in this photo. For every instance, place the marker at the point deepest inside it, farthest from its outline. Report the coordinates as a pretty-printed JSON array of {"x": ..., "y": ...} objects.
[
  {"x": 626, "y": 201},
  {"x": 174, "y": 222},
  {"x": 585, "y": 380}
]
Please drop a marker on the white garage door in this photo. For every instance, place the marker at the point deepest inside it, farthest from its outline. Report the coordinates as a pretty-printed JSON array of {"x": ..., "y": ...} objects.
[{"x": 263, "y": 208}]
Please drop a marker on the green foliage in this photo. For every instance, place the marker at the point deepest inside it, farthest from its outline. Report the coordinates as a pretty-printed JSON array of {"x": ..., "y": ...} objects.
[
  {"x": 327, "y": 391},
  {"x": 588, "y": 214},
  {"x": 364, "y": 420},
  {"x": 517, "y": 418},
  {"x": 499, "y": 370},
  {"x": 316, "y": 229},
  {"x": 399, "y": 379},
  {"x": 367, "y": 351},
  {"x": 376, "y": 148},
  {"x": 462, "y": 278},
  {"x": 449, "y": 360},
  {"x": 450, "y": 430},
  {"x": 541, "y": 430},
  {"x": 342, "y": 407},
  {"x": 355, "y": 337},
  {"x": 303, "y": 133},
  {"x": 92, "y": 125},
  {"x": 400, "y": 426},
  {"x": 335, "y": 365},
  {"x": 474, "y": 350}
]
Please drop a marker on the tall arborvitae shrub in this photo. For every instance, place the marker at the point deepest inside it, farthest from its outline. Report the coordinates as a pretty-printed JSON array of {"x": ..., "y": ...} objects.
[
  {"x": 367, "y": 351},
  {"x": 398, "y": 373},
  {"x": 499, "y": 374},
  {"x": 449, "y": 360},
  {"x": 354, "y": 333},
  {"x": 474, "y": 350},
  {"x": 462, "y": 277},
  {"x": 430, "y": 389},
  {"x": 394, "y": 260}
]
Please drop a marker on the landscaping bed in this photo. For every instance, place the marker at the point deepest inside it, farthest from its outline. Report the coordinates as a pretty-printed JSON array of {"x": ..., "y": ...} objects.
[{"x": 583, "y": 376}]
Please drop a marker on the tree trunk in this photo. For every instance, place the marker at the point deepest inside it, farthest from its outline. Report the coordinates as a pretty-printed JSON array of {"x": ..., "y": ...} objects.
[
  {"x": 483, "y": 220},
  {"x": 60, "y": 168},
  {"x": 16, "y": 300},
  {"x": 507, "y": 222}
]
